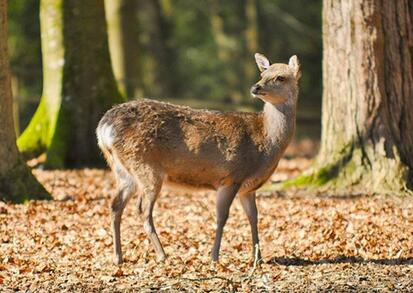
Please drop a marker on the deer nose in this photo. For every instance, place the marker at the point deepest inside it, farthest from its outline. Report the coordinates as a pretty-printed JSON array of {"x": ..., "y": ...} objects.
[{"x": 255, "y": 89}]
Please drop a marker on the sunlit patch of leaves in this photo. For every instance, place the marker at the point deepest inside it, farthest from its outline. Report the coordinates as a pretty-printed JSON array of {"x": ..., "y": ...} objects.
[{"x": 312, "y": 241}]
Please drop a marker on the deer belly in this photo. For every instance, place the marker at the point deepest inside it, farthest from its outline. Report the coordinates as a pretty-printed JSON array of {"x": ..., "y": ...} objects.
[
  {"x": 183, "y": 185},
  {"x": 196, "y": 176}
]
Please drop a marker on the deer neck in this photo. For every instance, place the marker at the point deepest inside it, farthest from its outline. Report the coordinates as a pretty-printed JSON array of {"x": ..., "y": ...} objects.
[{"x": 279, "y": 125}]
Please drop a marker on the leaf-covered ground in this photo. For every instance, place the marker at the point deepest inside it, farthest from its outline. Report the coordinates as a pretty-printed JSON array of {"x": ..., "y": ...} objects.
[{"x": 310, "y": 242}]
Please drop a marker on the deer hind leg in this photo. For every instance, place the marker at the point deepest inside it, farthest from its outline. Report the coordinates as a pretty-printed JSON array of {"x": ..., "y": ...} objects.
[
  {"x": 250, "y": 209},
  {"x": 150, "y": 180},
  {"x": 225, "y": 196},
  {"x": 126, "y": 188}
]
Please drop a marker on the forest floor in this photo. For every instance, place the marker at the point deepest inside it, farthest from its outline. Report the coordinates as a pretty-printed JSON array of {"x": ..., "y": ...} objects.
[{"x": 310, "y": 241}]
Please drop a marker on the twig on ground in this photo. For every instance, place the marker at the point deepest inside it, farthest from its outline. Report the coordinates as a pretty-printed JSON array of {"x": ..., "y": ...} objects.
[
  {"x": 206, "y": 279},
  {"x": 256, "y": 261}
]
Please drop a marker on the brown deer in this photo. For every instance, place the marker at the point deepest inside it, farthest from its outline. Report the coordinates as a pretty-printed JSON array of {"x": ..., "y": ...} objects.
[{"x": 148, "y": 143}]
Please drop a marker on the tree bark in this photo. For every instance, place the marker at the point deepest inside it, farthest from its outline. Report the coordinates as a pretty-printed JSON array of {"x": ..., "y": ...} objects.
[
  {"x": 17, "y": 184},
  {"x": 367, "y": 137},
  {"x": 123, "y": 33},
  {"x": 252, "y": 42},
  {"x": 164, "y": 55},
  {"x": 78, "y": 83},
  {"x": 230, "y": 48}
]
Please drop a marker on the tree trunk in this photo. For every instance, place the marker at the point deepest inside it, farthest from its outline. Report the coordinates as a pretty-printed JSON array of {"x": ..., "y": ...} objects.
[
  {"x": 17, "y": 184},
  {"x": 123, "y": 33},
  {"x": 367, "y": 137},
  {"x": 230, "y": 49},
  {"x": 252, "y": 42},
  {"x": 78, "y": 83},
  {"x": 164, "y": 55}
]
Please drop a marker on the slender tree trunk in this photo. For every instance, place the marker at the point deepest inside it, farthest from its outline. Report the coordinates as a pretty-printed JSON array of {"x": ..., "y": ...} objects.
[
  {"x": 264, "y": 28},
  {"x": 166, "y": 74},
  {"x": 123, "y": 33},
  {"x": 251, "y": 40},
  {"x": 367, "y": 124},
  {"x": 228, "y": 51},
  {"x": 78, "y": 83},
  {"x": 17, "y": 184}
]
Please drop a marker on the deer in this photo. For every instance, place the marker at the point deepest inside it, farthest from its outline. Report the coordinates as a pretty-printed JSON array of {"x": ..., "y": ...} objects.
[{"x": 148, "y": 144}]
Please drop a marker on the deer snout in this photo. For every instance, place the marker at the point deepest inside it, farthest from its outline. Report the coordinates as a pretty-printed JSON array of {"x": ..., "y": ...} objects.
[{"x": 255, "y": 89}]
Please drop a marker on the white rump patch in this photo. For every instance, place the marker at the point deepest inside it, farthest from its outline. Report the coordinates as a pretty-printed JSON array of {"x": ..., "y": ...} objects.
[{"x": 105, "y": 135}]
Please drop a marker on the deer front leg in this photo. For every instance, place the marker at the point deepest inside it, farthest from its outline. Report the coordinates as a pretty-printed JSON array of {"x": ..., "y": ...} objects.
[
  {"x": 250, "y": 209},
  {"x": 225, "y": 196}
]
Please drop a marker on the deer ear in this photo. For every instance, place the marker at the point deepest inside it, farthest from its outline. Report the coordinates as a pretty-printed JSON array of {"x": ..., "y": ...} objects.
[
  {"x": 294, "y": 65},
  {"x": 262, "y": 62}
]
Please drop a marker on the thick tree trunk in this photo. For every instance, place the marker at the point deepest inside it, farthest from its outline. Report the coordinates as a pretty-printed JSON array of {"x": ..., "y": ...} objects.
[
  {"x": 123, "y": 33},
  {"x": 78, "y": 83},
  {"x": 367, "y": 125},
  {"x": 17, "y": 184}
]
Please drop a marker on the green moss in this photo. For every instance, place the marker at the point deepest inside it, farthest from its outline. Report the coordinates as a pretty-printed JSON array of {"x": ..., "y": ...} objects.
[
  {"x": 36, "y": 137},
  {"x": 316, "y": 178},
  {"x": 302, "y": 180},
  {"x": 324, "y": 175},
  {"x": 56, "y": 153},
  {"x": 46, "y": 133}
]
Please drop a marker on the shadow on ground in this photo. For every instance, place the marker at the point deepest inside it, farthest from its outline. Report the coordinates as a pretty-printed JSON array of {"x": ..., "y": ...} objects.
[{"x": 296, "y": 261}]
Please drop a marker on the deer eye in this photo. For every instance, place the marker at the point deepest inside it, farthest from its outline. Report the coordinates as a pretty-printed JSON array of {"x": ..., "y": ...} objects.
[{"x": 280, "y": 78}]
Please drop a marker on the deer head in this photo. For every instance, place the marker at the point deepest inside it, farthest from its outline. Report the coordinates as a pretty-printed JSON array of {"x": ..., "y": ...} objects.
[{"x": 279, "y": 82}]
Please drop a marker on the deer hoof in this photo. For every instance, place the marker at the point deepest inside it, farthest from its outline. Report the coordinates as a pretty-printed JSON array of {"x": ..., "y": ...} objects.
[
  {"x": 117, "y": 260},
  {"x": 161, "y": 258}
]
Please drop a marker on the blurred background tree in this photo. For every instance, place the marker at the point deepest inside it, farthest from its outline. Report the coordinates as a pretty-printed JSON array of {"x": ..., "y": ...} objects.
[
  {"x": 123, "y": 30},
  {"x": 198, "y": 53}
]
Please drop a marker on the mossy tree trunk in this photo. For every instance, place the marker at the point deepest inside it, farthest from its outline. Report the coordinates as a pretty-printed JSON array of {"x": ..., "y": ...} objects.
[
  {"x": 123, "y": 32},
  {"x": 367, "y": 124},
  {"x": 17, "y": 183},
  {"x": 78, "y": 83}
]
